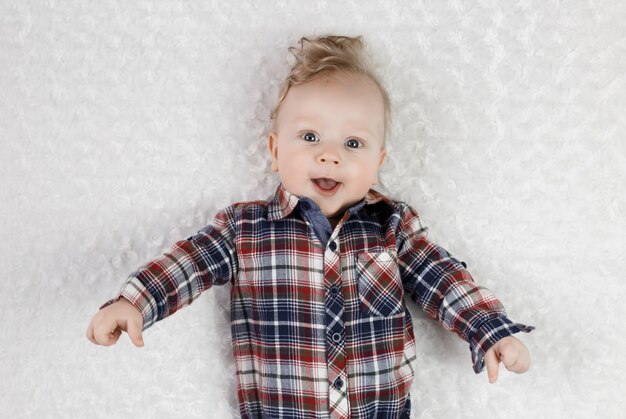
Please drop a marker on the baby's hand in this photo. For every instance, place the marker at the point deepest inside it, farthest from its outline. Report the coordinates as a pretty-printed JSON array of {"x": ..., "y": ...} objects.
[
  {"x": 513, "y": 354},
  {"x": 107, "y": 324}
]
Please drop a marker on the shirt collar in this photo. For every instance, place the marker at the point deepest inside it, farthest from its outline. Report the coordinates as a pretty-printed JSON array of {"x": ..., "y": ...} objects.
[{"x": 283, "y": 203}]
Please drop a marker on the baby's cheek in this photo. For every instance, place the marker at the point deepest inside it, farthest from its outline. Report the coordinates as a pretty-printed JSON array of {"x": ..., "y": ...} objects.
[{"x": 366, "y": 174}]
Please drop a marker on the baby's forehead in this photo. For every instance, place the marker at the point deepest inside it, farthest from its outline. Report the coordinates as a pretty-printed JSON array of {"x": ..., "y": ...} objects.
[
  {"x": 340, "y": 82},
  {"x": 355, "y": 101},
  {"x": 346, "y": 93}
]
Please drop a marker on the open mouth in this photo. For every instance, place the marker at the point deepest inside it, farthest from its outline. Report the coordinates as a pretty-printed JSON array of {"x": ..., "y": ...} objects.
[{"x": 325, "y": 186}]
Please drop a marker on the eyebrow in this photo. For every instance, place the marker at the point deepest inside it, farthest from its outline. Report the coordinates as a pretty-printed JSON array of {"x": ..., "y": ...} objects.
[{"x": 306, "y": 121}]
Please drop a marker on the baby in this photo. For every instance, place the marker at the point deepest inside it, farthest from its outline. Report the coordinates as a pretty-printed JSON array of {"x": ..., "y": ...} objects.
[{"x": 320, "y": 274}]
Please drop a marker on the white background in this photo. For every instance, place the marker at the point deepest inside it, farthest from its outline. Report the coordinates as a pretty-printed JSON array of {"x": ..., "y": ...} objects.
[{"x": 125, "y": 126}]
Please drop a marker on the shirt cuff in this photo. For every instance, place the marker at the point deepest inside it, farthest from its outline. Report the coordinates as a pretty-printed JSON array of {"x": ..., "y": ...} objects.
[
  {"x": 137, "y": 294},
  {"x": 488, "y": 334}
]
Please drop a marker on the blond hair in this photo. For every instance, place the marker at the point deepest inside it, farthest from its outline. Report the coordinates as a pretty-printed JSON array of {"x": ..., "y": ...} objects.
[{"x": 318, "y": 57}]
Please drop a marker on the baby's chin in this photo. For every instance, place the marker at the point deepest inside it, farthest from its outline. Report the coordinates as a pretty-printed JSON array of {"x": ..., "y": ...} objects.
[{"x": 335, "y": 212}]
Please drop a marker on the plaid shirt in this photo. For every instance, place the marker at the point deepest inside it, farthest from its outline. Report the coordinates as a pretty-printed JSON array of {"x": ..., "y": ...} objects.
[{"x": 318, "y": 318}]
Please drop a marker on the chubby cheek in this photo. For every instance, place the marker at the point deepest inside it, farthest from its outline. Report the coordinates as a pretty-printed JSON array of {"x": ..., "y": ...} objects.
[
  {"x": 292, "y": 172},
  {"x": 365, "y": 173},
  {"x": 291, "y": 165}
]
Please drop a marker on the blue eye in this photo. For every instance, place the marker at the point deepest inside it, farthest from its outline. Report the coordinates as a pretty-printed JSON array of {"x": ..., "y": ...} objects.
[
  {"x": 309, "y": 137},
  {"x": 353, "y": 143}
]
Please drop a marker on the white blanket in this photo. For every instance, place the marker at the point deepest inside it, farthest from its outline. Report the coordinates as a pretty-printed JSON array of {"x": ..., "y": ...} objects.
[{"x": 124, "y": 127}]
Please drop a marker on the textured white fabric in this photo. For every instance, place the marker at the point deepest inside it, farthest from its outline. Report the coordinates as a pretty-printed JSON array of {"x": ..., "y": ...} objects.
[{"x": 124, "y": 126}]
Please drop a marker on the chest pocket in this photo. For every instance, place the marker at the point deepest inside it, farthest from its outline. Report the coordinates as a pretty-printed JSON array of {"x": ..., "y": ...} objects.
[{"x": 379, "y": 284}]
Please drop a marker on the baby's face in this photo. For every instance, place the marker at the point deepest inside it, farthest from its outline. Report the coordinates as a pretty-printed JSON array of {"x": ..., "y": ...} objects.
[{"x": 328, "y": 144}]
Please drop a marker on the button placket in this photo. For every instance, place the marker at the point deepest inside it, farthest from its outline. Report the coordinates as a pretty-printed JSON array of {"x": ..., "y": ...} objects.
[{"x": 335, "y": 342}]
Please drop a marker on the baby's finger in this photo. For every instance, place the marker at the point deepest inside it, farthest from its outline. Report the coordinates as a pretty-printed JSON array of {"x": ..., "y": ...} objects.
[
  {"x": 115, "y": 335},
  {"x": 509, "y": 359},
  {"x": 90, "y": 333},
  {"x": 521, "y": 364},
  {"x": 134, "y": 333},
  {"x": 492, "y": 362},
  {"x": 105, "y": 334}
]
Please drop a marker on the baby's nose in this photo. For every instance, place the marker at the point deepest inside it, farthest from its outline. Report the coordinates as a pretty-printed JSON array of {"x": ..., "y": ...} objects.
[
  {"x": 329, "y": 154},
  {"x": 325, "y": 158}
]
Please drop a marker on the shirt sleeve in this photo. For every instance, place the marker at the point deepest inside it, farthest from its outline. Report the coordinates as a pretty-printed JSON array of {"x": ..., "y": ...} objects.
[
  {"x": 446, "y": 291},
  {"x": 165, "y": 284}
]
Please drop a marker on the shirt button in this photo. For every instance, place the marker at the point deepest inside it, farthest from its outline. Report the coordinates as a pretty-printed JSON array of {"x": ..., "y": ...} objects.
[
  {"x": 338, "y": 383},
  {"x": 333, "y": 246},
  {"x": 384, "y": 257},
  {"x": 334, "y": 290},
  {"x": 305, "y": 205},
  {"x": 336, "y": 337}
]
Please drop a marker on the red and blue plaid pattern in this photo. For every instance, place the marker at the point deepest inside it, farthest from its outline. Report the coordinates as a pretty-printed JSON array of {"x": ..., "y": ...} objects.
[{"x": 320, "y": 329}]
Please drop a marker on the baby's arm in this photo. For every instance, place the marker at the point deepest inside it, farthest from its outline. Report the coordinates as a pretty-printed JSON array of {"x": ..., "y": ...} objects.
[
  {"x": 107, "y": 325},
  {"x": 446, "y": 291},
  {"x": 170, "y": 282}
]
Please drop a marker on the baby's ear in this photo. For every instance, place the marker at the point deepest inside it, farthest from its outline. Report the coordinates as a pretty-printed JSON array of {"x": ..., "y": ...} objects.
[
  {"x": 272, "y": 144},
  {"x": 383, "y": 156}
]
